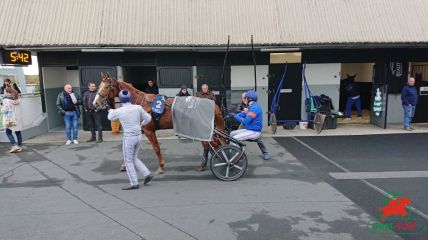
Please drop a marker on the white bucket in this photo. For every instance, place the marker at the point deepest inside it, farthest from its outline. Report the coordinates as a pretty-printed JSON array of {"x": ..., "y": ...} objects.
[{"x": 303, "y": 125}]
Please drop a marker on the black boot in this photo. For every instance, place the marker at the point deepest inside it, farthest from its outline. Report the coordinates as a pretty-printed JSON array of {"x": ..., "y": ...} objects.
[{"x": 263, "y": 149}]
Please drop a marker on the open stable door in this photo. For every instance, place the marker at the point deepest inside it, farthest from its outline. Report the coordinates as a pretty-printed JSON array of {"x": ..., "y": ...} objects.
[{"x": 379, "y": 105}]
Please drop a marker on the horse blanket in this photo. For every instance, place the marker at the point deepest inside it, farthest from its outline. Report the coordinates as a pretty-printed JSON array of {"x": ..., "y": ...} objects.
[{"x": 193, "y": 118}]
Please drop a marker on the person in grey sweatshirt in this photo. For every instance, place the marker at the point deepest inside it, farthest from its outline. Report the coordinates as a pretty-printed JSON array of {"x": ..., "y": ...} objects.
[{"x": 132, "y": 118}]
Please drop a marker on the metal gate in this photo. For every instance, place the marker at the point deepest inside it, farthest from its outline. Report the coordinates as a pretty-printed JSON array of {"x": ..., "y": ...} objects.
[{"x": 93, "y": 74}]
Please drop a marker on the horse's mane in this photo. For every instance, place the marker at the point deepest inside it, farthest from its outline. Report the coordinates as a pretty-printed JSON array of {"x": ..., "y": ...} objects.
[{"x": 138, "y": 97}]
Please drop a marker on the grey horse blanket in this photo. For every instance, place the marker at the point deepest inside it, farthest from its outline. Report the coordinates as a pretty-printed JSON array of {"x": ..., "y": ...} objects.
[{"x": 193, "y": 118}]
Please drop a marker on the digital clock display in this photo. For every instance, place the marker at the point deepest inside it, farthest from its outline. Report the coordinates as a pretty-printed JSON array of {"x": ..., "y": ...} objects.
[{"x": 16, "y": 57}]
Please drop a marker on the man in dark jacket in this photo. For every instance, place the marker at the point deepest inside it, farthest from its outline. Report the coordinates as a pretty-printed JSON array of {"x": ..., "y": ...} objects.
[
  {"x": 205, "y": 93},
  {"x": 67, "y": 104},
  {"x": 409, "y": 99},
  {"x": 151, "y": 87},
  {"x": 353, "y": 94},
  {"x": 93, "y": 116}
]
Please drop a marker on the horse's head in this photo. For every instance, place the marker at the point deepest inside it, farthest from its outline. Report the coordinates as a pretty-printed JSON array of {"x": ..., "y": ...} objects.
[
  {"x": 108, "y": 90},
  {"x": 351, "y": 78}
]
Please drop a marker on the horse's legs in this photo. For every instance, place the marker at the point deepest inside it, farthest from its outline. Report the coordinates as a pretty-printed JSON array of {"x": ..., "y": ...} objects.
[
  {"x": 204, "y": 162},
  {"x": 155, "y": 144}
]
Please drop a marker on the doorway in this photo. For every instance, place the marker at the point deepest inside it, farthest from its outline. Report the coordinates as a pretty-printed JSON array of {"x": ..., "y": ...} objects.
[
  {"x": 361, "y": 74},
  {"x": 291, "y": 93},
  {"x": 419, "y": 70},
  {"x": 138, "y": 75}
]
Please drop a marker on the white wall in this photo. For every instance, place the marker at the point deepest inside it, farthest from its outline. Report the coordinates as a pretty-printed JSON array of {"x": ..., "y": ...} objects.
[
  {"x": 242, "y": 78},
  {"x": 31, "y": 109},
  {"x": 323, "y": 79},
  {"x": 72, "y": 77},
  {"x": 53, "y": 77}
]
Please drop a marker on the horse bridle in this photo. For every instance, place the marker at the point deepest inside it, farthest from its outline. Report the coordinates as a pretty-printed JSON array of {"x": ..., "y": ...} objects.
[{"x": 104, "y": 104}]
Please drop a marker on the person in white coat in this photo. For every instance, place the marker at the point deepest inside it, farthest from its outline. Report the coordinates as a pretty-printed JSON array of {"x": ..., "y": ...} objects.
[
  {"x": 11, "y": 104},
  {"x": 132, "y": 118}
]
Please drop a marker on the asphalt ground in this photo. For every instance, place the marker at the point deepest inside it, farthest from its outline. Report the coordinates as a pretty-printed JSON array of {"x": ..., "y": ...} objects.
[
  {"x": 326, "y": 156},
  {"x": 53, "y": 191}
]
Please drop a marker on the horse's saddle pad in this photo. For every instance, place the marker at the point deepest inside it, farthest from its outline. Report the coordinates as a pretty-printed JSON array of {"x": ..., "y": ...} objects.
[{"x": 158, "y": 104}]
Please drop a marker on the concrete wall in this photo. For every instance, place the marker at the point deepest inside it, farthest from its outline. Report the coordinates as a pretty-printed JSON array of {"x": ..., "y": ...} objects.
[
  {"x": 323, "y": 79},
  {"x": 242, "y": 78}
]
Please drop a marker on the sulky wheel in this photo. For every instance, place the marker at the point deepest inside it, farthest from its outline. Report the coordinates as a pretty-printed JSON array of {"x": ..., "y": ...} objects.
[
  {"x": 273, "y": 123},
  {"x": 319, "y": 122},
  {"x": 228, "y": 163}
]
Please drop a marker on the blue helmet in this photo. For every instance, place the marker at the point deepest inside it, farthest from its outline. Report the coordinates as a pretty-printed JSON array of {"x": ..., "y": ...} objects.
[
  {"x": 124, "y": 96},
  {"x": 251, "y": 95}
]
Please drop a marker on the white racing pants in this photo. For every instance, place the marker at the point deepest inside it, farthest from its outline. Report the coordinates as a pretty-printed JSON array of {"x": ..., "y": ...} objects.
[
  {"x": 244, "y": 134},
  {"x": 130, "y": 148}
]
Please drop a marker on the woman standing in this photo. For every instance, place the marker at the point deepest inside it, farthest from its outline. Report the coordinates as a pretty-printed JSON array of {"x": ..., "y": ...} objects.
[{"x": 11, "y": 103}]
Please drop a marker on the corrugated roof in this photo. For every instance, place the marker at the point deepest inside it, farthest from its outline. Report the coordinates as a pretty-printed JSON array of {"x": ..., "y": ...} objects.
[{"x": 208, "y": 22}]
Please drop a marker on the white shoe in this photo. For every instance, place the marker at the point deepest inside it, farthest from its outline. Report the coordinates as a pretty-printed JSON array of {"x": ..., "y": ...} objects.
[
  {"x": 68, "y": 142},
  {"x": 75, "y": 141},
  {"x": 14, "y": 149},
  {"x": 348, "y": 119}
]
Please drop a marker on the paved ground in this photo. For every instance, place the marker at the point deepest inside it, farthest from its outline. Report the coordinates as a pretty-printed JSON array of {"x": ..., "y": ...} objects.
[
  {"x": 361, "y": 167},
  {"x": 343, "y": 130},
  {"x": 52, "y": 191}
]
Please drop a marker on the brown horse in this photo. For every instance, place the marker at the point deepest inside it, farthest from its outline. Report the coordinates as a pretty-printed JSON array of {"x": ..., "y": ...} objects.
[{"x": 109, "y": 89}]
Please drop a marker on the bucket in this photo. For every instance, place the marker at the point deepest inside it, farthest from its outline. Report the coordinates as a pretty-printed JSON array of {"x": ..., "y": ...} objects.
[{"x": 303, "y": 125}]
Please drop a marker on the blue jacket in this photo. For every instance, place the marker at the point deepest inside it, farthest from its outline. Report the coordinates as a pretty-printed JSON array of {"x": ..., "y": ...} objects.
[
  {"x": 253, "y": 120},
  {"x": 409, "y": 95}
]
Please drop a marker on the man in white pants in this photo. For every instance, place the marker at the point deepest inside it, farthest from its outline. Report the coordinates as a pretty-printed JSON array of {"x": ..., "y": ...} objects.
[
  {"x": 252, "y": 120},
  {"x": 133, "y": 118}
]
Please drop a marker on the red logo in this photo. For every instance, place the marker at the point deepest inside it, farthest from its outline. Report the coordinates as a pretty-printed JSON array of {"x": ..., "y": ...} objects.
[{"x": 395, "y": 207}]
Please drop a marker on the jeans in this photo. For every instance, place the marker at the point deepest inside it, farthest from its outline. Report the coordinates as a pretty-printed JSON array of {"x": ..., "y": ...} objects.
[
  {"x": 94, "y": 123},
  {"x": 70, "y": 119},
  {"x": 12, "y": 138},
  {"x": 350, "y": 103},
  {"x": 409, "y": 112}
]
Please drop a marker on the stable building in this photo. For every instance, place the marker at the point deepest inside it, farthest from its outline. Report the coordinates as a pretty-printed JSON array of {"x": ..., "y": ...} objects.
[{"x": 176, "y": 42}]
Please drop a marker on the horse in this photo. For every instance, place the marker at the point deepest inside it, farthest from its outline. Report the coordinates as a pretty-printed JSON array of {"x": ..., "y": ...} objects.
[{"x": 109, "y": 88}]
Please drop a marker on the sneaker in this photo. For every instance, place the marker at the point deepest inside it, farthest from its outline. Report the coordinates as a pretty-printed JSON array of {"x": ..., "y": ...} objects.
[
  {"x": 412, "y": 128},
  {"x": 19, "y": 149},
  {"x": 13, "y": 149},
  {"x": 131, "y": 187},
  {"x": 75, "y": 141},
  {"x": 408, "y": 129},
  {"x": 265, "y": 156},
  {"x": 347, "y": 119},
  {"x": 68, "y": 142},
  {"x": 148, "y": 178}
]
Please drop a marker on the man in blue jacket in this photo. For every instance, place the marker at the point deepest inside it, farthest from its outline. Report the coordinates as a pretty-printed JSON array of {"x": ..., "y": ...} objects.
[
  {"x": 409, "y": 99},
  {"x": 252, "y": 119}
]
